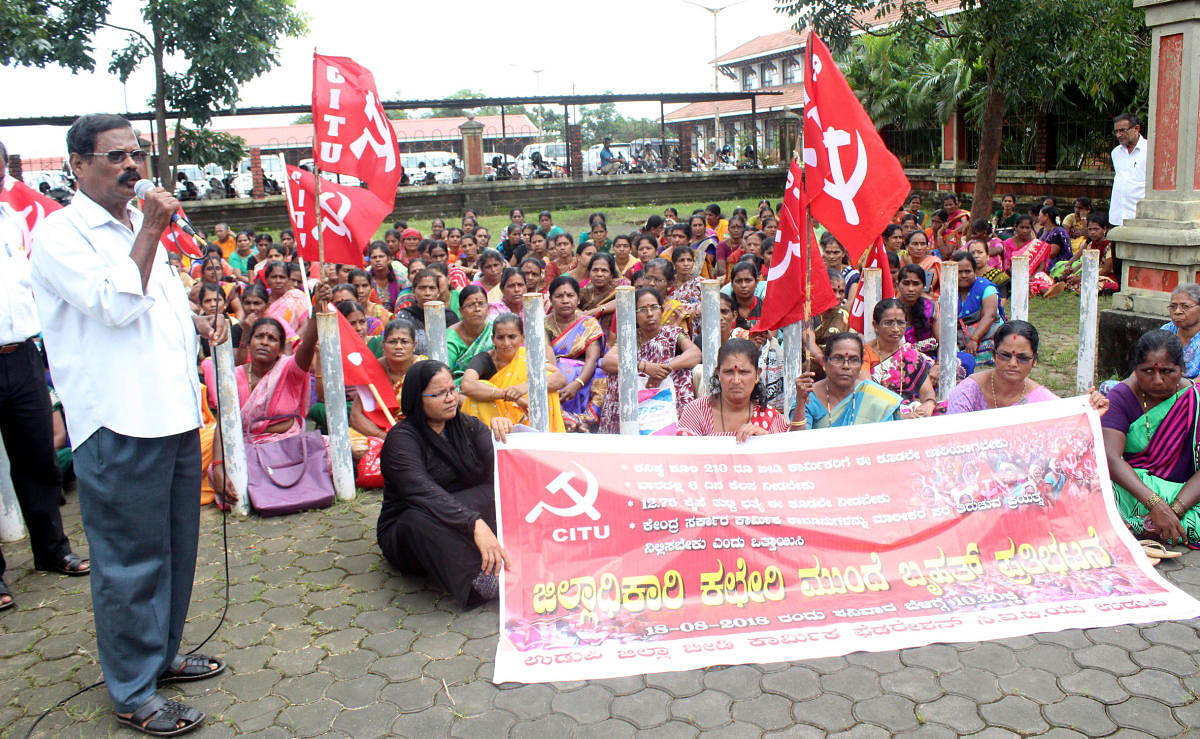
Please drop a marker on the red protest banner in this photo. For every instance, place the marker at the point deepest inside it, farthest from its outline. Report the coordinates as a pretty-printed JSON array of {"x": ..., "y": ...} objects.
[
  {"x": 661, "y": 554},
  {"x": 349, "y": 217},
  {"x": 876, "y": 258},
  {"x": 28, "y": 203},
  {"x": 352, "y": 133}
]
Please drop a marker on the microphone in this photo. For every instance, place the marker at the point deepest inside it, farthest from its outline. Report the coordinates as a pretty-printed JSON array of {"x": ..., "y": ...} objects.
[{"x": 177, "y": 219}]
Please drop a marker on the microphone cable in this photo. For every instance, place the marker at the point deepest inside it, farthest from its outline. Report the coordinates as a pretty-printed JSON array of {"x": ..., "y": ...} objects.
[{"x": 224, "y": 541}]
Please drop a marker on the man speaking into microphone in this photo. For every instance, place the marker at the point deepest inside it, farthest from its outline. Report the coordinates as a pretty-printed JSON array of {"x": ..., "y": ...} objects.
[{"x": 121, "y": 341}]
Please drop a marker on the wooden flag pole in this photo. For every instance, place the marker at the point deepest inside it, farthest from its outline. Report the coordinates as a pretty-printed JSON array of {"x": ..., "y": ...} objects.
[
  {"x": 320, "y": 230},
  {"x": 382, "y": 405}
]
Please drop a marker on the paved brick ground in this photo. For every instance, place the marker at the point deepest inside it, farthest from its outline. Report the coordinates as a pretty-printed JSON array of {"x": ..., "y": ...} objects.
[{"x": 322, "y": 639}]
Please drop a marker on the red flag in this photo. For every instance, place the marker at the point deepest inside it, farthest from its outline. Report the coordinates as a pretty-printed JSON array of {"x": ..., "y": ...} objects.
[
  {"x": 854, "y": 184},
  {"x": 174, "y": 239},
  {"x": 28, "y": 203},
  {"x": 361, "y": 368},
  {"x": 876, "y": 258},
  {"x": 352, "y": 134},
  {"x": 349, "y": 217},
  {"x": 791, "y": 262}
]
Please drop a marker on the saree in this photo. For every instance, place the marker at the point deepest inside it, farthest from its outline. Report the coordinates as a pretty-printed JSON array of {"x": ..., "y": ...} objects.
[
  {"x": 903, "y": 372},
  {"x": 514, "y": 373},
  {"x": 1152, "y": 447},
  {"x": 569, "y": 348},
  {"x": 282, "y": 391},
  {"x": 291, "y": 310},
  {"x": 677, "y": 313},
  {"x": 869, "y": 402},
  {"x": 1037, "y": 250},
  {"x": 660, "y": 349},
  {"x": 458, "y": 354},
  {"x": 970, "y": 314}
]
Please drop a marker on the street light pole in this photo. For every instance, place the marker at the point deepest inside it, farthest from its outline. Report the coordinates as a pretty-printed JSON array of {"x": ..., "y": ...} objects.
[{"x": 716, "y": 103}]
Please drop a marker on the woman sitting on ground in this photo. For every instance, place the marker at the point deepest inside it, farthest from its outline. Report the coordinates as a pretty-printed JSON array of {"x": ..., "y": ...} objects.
[
  {"x": 626, "y": 262},
  {"x": 659, "y": 274},
  {"x": 663, "y": 352},
  {"x": 210, "y": 272},
  {"x": 843, "y": 398},
  {"x": 287, "y": 305},
  {"x": 979, "y": 313},
  {"x": 438, "y": 515},
  {"x": 389, "y": 280},
  {"x": 496, "y": 382},
  {"x": 583, "y": 261},
  {"x": 598, "y": 297},
  {"x": 577, "y": 342},
  {"x": 1184, "y": 311},
  {"x": 426, "y": 288},
  {"x": 736, "y": 404},
  {"x": 1150, "y": 432},
  {"x": 512, "y": 288},
  {"x": 561, "y": 251},
  {"x": 835, "y": 257},
  {"x": 473, "y": 332},
  {"x": 917, "y": 248},
  {"x": 686, "y": 287},
  {"x": 898, "y": 365},
  {"x": 491, "y": 266},
  {"x": 269, "y": 385},
  {"x": 377, "y": 315},
  {"x": 743, "y": 279},
  {"x": 399, "y": 341},
  {"x": 1007, "y": 383},
  {"x": 212, "y": 304}
]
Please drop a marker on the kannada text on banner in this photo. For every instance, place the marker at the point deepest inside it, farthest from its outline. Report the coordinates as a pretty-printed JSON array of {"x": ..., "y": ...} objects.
[{"x": 658, "y": 554}]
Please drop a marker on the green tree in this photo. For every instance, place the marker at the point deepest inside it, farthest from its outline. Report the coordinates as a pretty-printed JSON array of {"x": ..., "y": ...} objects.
[
  {"x": 1024, "y": 54},
  {"x": 202, "y": 51}
]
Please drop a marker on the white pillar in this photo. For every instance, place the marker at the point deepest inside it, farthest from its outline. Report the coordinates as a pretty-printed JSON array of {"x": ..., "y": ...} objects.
[
  {"x": 12, "y": 524},
  {"x": 627, "y": 346},
  {"x": 1085, "y": 367},
  {"x": 948, "y": 328},
  {"x": 340, "y": 460},
  {"x": 535, "y": 359},
  {"x": 233, "y": 442},
  {"x": 1020, "y": 288},
  {"x": 872, "y": 288},
  {"x": 435, "y": 330},
  {"x": 710, "y": 329},
  {"x": 793, "y": 345}
]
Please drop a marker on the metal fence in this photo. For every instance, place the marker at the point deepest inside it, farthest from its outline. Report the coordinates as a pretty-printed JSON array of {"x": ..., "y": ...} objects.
[{"x": 1071, "y": 144}]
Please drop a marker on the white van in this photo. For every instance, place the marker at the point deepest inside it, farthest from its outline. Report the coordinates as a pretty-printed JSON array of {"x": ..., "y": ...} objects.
[
  {"x": 591, "y": 158},
  {"x": 553, "y": 153}
]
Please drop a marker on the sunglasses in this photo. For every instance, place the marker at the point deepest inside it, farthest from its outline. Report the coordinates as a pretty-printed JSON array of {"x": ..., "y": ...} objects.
[{"x": 116, "y": 156}]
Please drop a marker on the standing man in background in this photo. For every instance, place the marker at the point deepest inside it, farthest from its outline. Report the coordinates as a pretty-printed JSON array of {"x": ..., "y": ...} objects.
[
  {"x": 121, "y": 340},
  {"x": 1129, "y": 168},
  {"x": 25, "y": 415}
]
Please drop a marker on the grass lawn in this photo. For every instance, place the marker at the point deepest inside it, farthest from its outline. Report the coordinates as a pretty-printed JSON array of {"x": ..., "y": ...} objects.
[{"x": 1057, "y": 322}]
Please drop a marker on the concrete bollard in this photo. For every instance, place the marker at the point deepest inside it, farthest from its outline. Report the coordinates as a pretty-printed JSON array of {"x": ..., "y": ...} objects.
[
  {"x": 793, "y": 348},
  {"x": 233, "y": 442},
  {"x": 1085, "y": 368},
  {"x": 340, "y": 459},
  {"x": 12, "y": 523},
  {"x": 948, "y": 328},
  {"x": 710, "y": 328},
  {"x": 435, "y": 330},
  {"x": 535, "y": 358},
  {"x": 872, "y": 288},
  {"x": 1019, "y": 300},
  {"x": 627, "y": 374}
]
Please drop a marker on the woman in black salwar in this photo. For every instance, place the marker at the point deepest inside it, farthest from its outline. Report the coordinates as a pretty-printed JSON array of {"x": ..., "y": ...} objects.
[{"x": 438, "y": 515}]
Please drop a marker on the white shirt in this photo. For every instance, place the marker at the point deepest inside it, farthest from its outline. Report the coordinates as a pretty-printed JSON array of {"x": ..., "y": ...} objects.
[
  {"x": 1129, "y": 180},
  {"x": 121, "y": 358},
  {"x": 18, "y": 316}
]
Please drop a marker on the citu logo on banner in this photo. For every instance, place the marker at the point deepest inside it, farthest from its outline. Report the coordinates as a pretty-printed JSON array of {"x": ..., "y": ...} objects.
[{"x": 349, "y": 217}]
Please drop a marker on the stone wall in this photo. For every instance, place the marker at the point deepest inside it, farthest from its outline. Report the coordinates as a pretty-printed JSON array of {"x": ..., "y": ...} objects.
[{"x": 426, "y": 201}]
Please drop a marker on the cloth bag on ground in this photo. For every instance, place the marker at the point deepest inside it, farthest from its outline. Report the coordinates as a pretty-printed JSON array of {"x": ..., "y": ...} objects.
[
  {"x": 290, "y": 474},
  {"x": 657, "y": 413}
]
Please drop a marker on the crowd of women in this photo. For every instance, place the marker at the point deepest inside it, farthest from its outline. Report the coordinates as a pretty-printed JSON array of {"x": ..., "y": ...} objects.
[{"x": 436, "y": 461}]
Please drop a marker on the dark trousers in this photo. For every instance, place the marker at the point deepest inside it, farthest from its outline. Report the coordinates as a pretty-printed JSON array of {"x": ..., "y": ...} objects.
[
  {"x": 28, "y": 434},
  {"x": 140, "y": 500}
]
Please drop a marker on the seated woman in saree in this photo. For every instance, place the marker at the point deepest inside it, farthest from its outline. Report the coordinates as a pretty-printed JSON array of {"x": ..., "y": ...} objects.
[
  {"x": 389, "y": 279},
  {"x": 743, "y": 280},
  {"x": 212, "y": 304},
  {"x": 659, "y": 274},
  {"x": 491, "y": 265},
  {"x": 1024, "y": 242},
  {"x": 986, "y": 265},
  {"x": 1070, "y": 274},
  {"x": 833, "y": 321},
  {"x": 426, "y": 288},
  {"x": 664, "y": 353},
  {"x": 686, "y": 287},
  {"x": 496, "y": 382},
  {"x": 979, "y": 312},
  {"x": 703, "y": 242},
  {"x": 843, "y": 398},
  {"x": 919, "y": 252},
  {"x": 287, "y": 305},
  {"x": 399, "y": 341},
  {"x": 1008, "y": 382},
  {"x": 472, "y": 334},
  {"x": 577, "y": 341},
  {"x": 377, "y": 315},
  {"x": 898, "y": 365},
  {"x": 1150, "y": 434},
  {"x": 271, "y": 384},
  {"x": 438, "y": 515},
  {"x": 736, "y": 404},
  {"x": 561, "y": 252},
  {"x": 210, "y": 273},
  {"x": 512, "y": 288},
  {"x": 598, "y": 297},
  {"x": 583, "y": 260},
  {"x": 622, "y": 251},
  {"x": 835, "y": 258},
  {"x": 1184, "y": 311}
]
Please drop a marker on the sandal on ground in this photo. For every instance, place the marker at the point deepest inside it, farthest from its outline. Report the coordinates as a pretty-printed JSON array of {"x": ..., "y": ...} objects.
[
  {"x": 70, "y": 564},
  {"x": 186, "y": 668},
  {"x": 6, "y": 593},
  {"x": 161, "y": 717},
  {"x": 1154, "y": 549}
]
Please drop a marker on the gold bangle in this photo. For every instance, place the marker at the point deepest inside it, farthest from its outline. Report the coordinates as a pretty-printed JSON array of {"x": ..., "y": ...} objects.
[
  {"x": 1153, "y": 500},
  {"x": 799, "y": 424},
  {"x": 1178, "y": 508}
]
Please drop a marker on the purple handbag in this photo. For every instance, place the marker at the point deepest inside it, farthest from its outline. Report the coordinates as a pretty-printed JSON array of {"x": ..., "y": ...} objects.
[{"x": 290, "y": 474}]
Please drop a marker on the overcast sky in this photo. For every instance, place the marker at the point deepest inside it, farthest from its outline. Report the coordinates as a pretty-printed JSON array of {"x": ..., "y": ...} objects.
[{"x": 419, "y": 50}]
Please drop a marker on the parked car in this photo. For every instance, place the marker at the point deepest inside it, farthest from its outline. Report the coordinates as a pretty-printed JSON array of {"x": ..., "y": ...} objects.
[
  {"x": 273, "y": 174},
  {"x": 553, "y": 153}
]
